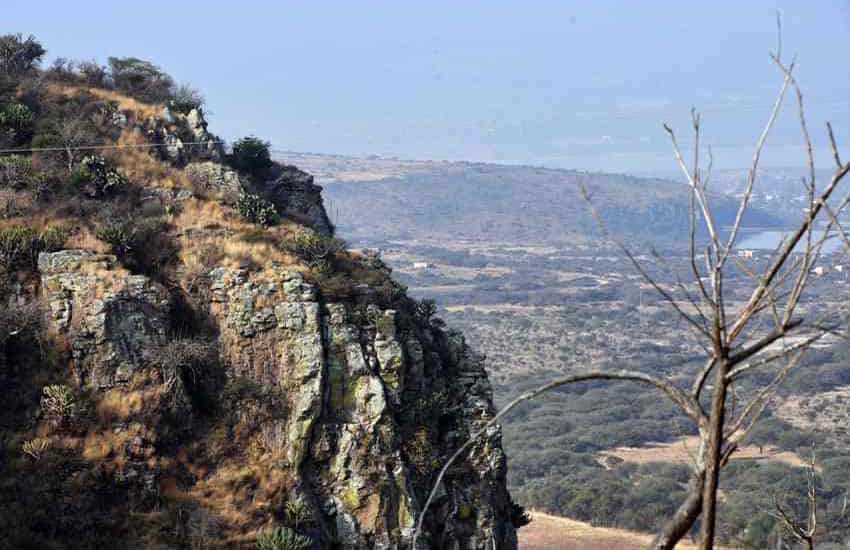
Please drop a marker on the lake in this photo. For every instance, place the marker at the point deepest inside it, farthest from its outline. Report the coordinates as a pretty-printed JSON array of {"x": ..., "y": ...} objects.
[{"x": 769, "y": 240}]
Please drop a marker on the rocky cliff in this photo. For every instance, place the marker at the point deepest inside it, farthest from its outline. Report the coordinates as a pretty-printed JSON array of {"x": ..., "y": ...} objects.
[{"x": 191, "y": 379}]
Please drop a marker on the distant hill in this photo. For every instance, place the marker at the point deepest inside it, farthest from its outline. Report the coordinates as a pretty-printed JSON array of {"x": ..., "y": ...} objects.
[{"x": 477, "y": 201}]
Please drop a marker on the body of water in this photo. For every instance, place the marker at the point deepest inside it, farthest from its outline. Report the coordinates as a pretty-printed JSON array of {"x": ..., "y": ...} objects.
[{"x": 769, "y": 240}]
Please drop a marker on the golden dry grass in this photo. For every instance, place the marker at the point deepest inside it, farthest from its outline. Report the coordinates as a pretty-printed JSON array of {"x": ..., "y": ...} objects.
[
  {"x": 682, "y": 450},
  {"x": 125, "y": 103},
  {"x": 213, "y": 233},
  {"x": 547, "y": 532}
]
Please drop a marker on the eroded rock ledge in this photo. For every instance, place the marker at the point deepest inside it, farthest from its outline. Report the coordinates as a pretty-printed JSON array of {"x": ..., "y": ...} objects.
[{"x": 368, "y": 404}]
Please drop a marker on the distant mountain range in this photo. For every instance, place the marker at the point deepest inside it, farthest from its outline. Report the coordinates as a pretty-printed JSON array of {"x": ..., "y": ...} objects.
[{"x": 381, "y": 198}]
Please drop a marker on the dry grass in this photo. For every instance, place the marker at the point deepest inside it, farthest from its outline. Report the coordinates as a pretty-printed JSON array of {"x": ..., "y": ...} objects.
[
  {"x": 683, "y": 450},
  {"x": 547, "y": 532},
  {"x": 137, "y": 108},
  {"x": 212, "y": 233},
  {"x": 140, "y": 166}
]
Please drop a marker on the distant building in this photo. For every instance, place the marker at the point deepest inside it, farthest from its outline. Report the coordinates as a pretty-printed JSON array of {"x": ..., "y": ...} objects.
[
  {"x": 839, "y": 268},
  {"x": 421, "y": 265},
  {"x": 745, "y": 253},
  {"x": 819, "y": 270}
]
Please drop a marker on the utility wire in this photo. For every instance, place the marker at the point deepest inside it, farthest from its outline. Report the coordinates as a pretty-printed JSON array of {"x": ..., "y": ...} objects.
[{"x": 100, "y": 147}]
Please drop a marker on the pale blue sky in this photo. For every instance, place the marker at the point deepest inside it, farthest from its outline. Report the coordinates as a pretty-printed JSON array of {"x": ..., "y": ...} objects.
[{"x": 566, "y": 84}]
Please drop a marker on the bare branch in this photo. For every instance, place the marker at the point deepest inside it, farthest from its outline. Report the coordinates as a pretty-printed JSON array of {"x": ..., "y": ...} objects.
[
  {"x": 666, "y": 295},
  {"x": 675, "y": 394},
  {"x": 753, "y": 171},
  {"x": 835, "y": 154}
]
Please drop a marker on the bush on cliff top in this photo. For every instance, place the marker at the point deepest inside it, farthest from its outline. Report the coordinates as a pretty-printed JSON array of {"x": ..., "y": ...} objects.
[{"x": 251, "y": 155}]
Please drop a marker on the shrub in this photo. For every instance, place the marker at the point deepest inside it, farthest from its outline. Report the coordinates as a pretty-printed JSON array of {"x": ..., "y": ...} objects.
[
  {"x": 316, "y": 249},
  {"x": 185, "y": 99},
  {"x": 16, "y": 116},
  {"x": 186, "y": 358},
  {"x": 59, "y": 404},
  {"x": 96, "y": 177},
  {"x": 251, "y": 154},
  {"x": 19, "y": 55},
  {"x": 93, "y": 74},
  {"x": 36, "y": 448},
  {"x": 297, "y": 513},
  {"x": 19, "y": 247},
  {"x": 140, "y": 79},
  {"x": 282, "y": 538},
  {"x": 256, "y": 209},
  {"x": 54, "y": 238},
  {"x": 119, "y": 235},
  {"x": 16, "y": 171},
  {"x": 142, "y": 246},
  {"x": 519, "y": 517}
]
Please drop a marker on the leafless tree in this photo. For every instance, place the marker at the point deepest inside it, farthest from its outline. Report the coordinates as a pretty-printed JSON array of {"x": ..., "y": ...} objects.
[
  {"x": 73, "y": 134},
  {"x": 803, "y": 531},
  {"x": 770, "y": 332}
]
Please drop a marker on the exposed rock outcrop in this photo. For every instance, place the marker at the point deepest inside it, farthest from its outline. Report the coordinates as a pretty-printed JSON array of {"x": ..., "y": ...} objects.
[
  {"x": 370, "y": 404},
  {"x": 112, "y": 319},
  {"x": 212, "y": 379}
]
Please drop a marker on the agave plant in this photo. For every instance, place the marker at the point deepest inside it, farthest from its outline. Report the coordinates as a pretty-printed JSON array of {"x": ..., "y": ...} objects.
[{"x": 282, "y": 538}]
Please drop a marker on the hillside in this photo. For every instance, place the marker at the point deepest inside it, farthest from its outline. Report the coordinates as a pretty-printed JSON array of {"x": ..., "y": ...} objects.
[
  {"x": 540, "y": 304},
  {"x": 190, "y": 359},
  {"x": 409, "y": 200}
]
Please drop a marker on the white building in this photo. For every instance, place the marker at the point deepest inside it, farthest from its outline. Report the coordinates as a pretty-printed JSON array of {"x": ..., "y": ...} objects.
[{"x": 745, "y": 253}]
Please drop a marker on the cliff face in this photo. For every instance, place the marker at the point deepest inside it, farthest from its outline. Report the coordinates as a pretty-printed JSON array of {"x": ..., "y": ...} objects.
[{"x": 234, "y": 395}]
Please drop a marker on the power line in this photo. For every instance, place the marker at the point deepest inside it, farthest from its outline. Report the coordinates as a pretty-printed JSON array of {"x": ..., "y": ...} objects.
[{"x": 101, "y": 147}]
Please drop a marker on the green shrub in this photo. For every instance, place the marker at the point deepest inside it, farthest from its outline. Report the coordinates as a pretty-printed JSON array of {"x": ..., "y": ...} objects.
[
  {"x": 19, "y": 55},
  {"x": 141, "y": 245},
  {"x": 119, "y": 235},
  {"x": 315, "y": 249},
  {"x": 141, "y": 79},
  {"x": 16, "y": 171},
  {"x": 16, "y": 116},
  {"x": 54, "y": 238},
  {"x": 256, "y": 209},
  {"x": 282, "y": 538},
  {"x": 251, "y": 154},
  {"x": 185, "y": 99},
  {"x": 297, "y": 512},
  {"x": 96, "y": 177},
  {"x": 19, "y": 247}
]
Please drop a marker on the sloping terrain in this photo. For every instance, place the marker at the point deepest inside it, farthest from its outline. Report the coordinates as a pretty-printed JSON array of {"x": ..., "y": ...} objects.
[
  {"x": 409, "y": 200},
  {"x": 190, "y": 359}
]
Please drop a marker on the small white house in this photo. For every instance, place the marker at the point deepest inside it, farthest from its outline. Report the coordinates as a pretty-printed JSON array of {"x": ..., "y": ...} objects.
[
  {"x": 839, "y": 268},
  {"x": 745, "y": 253},
  {"x": 819, "y": 270},
  {"x": 421, "y": 265}
]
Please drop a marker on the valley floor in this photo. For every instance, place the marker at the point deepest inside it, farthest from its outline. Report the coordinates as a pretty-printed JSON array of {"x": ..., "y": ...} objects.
[{"x": 547, "y": 532}]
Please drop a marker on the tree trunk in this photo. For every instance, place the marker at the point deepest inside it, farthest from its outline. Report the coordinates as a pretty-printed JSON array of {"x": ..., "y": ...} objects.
[
  {"x": 684, "y": 518},
  {"x": 716, "y": 424}
]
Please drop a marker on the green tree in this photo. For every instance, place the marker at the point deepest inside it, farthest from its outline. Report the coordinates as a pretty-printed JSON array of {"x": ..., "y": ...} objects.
[
  {"x": 251, "y": 154},
  {"x": 19, "y": 55}
]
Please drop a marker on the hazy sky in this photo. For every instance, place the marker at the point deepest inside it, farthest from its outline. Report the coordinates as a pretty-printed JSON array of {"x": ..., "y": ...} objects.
[{"x": 566, "y": 84}]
